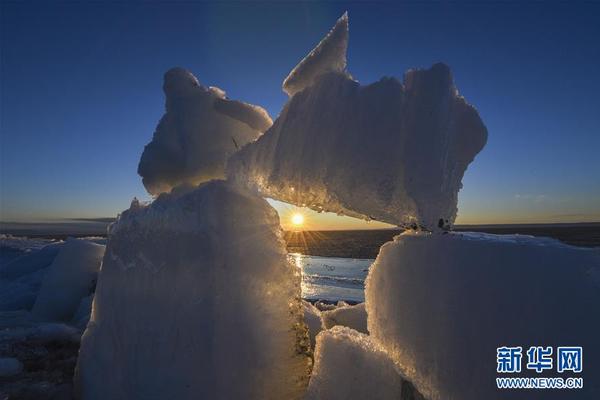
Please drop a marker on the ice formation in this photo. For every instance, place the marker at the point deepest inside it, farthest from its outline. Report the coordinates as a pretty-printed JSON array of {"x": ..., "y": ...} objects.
[
  {"x": 196, "y": 299},
  {"x": 391, "y": 151},
  {"x": 199, "y": 131},
  {"x": 328, "y": 56},
  {"x": 312, "y": 319},
  {"x": 441, "y": 304},
  {"x": 354, "y": 317},
  {"x": 349, "y": 365},
  {"x": 70, "y": 278}
]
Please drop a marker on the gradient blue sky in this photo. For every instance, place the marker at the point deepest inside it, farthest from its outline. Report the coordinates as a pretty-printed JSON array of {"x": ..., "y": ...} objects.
[{"x": 81, "y": 92}]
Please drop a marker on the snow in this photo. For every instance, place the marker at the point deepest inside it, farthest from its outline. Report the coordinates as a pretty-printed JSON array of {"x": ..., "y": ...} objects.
[
  {"x": 390, "y": 151},
  {"x": 312, "y": 319},
  {"x": 349, "y": 365},
  {"x": 10, "y": 366},
  {"x": 354, "y": 317},
  {"x": 328, "y": 56},
  {"x": 196, "y": 299},
  {"x": 199, "y": 131},
  {"x": 441, "y": 304},
  {"x": 70, "y": 278}
]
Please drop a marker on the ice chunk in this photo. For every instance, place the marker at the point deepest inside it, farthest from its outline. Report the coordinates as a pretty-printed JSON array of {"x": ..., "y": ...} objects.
[
  {"x": 354, "y": 317},
  {"x": 196, "y": 299},
  {"x": 390, "y": 151},
  {"x": 349, "y": 365},
  {"x": 312, "y": 318},
  {"x": 30, "y": 262},
  {"x": 71, "y": 277},
  {"x": 199, "y": 131},
  {"x": 328, "y": 56},
  {"x": 441, "y": 304},
  {"x": 10, "y": 366}
]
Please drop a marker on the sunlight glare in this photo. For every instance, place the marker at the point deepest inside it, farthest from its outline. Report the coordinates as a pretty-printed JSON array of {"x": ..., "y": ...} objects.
[{"x": 297, "y": 219}]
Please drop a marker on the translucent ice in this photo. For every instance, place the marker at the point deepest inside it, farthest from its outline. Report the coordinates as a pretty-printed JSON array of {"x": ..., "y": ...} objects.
[
  {"x": 196, "y": 299},
  {"x": 199, "y": 131},
  {"x": 391, "y": 151},
  {"x": 349, "y": 365},
  {"x": 441, "y": 305}
]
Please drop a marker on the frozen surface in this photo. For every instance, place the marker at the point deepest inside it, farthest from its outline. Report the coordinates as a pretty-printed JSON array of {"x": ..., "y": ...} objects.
[
  {"x": 196, "y": 299},
  {"x": 354, "y": 317},
  {"x": 332, "y": 279},
  {"x": 442, "y": 303},
  {"x": 199, "y": 131},
  {"x": 31, "y": 259},
  {"x": 393, "y": 151},
  {"x": 328, "y": 56},
  {"x": 70, "y": 278},
  {"x": 312, "y": 319},
  {"x": 349, "y": 365},
  {"x": 20, "y": 293}
]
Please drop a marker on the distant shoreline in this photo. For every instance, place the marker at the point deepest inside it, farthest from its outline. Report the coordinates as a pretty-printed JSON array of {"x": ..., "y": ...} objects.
[{"x": 328, "y": 243}]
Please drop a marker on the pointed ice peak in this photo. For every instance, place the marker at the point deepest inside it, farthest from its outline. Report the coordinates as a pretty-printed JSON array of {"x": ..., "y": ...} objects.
[{"x": 328, "y": 56}]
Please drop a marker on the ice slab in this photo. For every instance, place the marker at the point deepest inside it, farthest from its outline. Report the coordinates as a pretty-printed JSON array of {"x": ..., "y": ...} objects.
[
  {"x": 349, "y": 365},
  {"x": 196, "y": 299},
  {"x": 354, "y": 317},
  {"x": 328, "y": 56},
  {"x": 394, "y": 151},
  {"x": 71, "y": 277},
  {"x": 441, "y": 305}
]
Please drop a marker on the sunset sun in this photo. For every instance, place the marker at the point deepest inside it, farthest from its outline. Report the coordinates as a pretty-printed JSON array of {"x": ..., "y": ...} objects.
[{"x": 297, "y": 220}]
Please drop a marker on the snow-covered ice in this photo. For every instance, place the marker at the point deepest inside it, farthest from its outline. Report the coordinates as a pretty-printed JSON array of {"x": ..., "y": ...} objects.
[
  {"x": 441, "y": 304},
  {"x": 70, "y": 278},
  {"x": 354, "y": 317},
  {"x": 196, "y": 299},
  {"x": 199, "y": 131},
  {"x": 391, "y": 151},
  {"x": 349, "y": 365}
]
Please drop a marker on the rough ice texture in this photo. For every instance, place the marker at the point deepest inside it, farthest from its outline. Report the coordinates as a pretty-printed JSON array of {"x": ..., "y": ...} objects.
[
  {"x": 390, "y": 151},
  {"x": 349, "y": 365},
  {"x": 312, "y": 319},
  {"x": 354, "y": 317},
  {"x": 196, "y": 300},
  {"x": 328, "y": 56},
  {"x": 442, "y": 303},
  {"x": 70, "y": 278},
  {"x": 199, "y": 131}
]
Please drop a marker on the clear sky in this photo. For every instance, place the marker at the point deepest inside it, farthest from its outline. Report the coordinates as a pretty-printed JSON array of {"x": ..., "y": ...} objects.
[{"x": 80, "y": 93}]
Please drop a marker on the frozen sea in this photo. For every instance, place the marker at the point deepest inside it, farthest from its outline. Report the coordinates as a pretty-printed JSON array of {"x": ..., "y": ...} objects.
[{"x": 332, "y": 279}]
